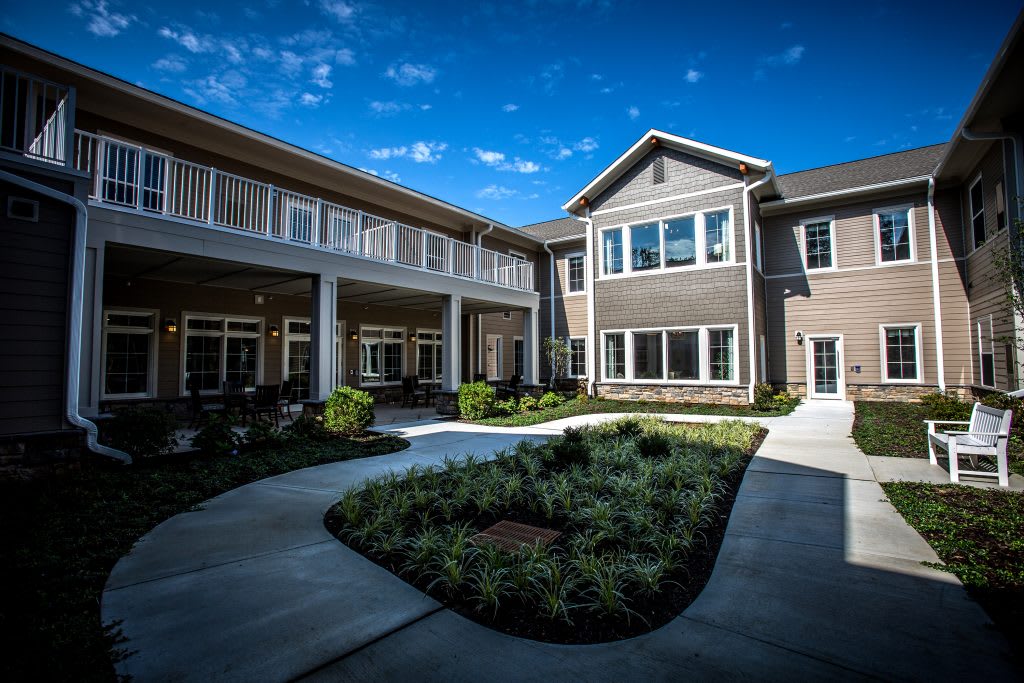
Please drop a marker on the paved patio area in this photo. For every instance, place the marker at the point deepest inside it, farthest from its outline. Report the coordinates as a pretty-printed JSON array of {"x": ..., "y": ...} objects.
[{"x": 817, "y": 577}]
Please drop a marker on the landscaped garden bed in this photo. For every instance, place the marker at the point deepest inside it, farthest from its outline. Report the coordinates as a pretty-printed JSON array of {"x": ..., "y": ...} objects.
[
  {"x": 61, "y": 536},
  {"x": 979, "y": 536},
  {"x": 639, "y": 507}
]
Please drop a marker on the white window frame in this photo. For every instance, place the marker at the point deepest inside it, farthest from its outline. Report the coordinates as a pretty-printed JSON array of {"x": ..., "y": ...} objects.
[
  {"x": 831, "y": 220},
  {"x": 758, "y": 253},
  {"x": 912, "y": 236},
  {"x": 972, "y": 214},
  {"x": 918, "y": 355},
  {"x": 518, "y": 340},
  {"x": 704, "y": 350},
  {"x": 286, "y": 337},
  {"x": 986, "y": 320},
  {"x": 569, "y": 291},
  {"x": 499, "y": 357},
  {"x": 433, "y": 343},
  {"x": 294, "y": 207},
  {"x": 154, "y": 332},
  {"x": 569, "y": 341},
  {"x": 700, "y": 246},
  {"x": 223, "y": 334},
  {"x": 339, "y": 353},
  {"x": 381, "y": 340}
]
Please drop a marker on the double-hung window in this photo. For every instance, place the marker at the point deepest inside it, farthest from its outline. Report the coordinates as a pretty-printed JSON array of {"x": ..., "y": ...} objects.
[
  {"x": 611, "y": 251},
  {"x": 717, "y": 236},
  {"x": 221, "y": 349},
  {"x": 894, "y": 237},
  {"x": 721, "y": 355},
  {"x": 976, "y": 195},
  {"x": 701, "y": 238},
  {"x": 381, "y": 353},
  {"x": 128, "y": 353},
  {"x": 577, "y": 357},
  {"x": 517, "y": 356},
  {"x": 819, "y": 244},
  {"x": 428, "y": 355},
  {"x": 901, "y": 353},
  {"x": 576, "y": 272}
]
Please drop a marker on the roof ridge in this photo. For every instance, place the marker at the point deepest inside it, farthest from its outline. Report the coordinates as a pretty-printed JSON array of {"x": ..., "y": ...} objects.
[{"x": 854, "y": 161}]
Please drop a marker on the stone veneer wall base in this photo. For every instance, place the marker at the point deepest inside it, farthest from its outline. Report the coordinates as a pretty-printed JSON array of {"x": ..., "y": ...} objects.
[
  {"x": 675, "y": 393},
  {"x": 910, "y": 393}
]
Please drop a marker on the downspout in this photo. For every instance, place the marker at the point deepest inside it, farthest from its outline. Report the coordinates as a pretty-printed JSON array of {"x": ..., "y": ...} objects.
[
  {"x": 1018, "y": 163},
  {"x": 479, "y": 317},
  {"x": 590, "y": 261},
  {"x": 748, "y": 232},
  {"x": 75, "y": 322},
  {"x": 940, "y": 360},
  {"x": 551, "y": 301}
]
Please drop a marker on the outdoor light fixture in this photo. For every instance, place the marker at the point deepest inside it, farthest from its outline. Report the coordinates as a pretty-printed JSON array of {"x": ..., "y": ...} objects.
[
  {"x": 275, "y": 331},
  {"x": 353, "y": 335},
  {"x": 799, "y": 337},
  {"x": 412, "y": 337},
  {"x": 171, "y": 325}
]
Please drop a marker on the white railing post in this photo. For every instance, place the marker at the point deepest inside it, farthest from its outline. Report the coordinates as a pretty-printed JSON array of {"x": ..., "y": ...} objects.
[
  {"x": 271, "y": 195},
  {"x": 213, "y": 194},
  {"x": 167, "y": 187},
  {"x": 359, "y": 234},
  {"x": 394, "y": 246},
  {"x": 101, "y": 154},
  {"x": 139, "y": 185},
  {"x": 450, "y": 269},
  {"x": 69, "y": 127},
  {"x": 319, "y": 217},
  {"x": 426, "y": 246}
]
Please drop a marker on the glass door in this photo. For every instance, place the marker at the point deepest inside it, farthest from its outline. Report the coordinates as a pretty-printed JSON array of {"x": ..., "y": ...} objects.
[{"x": 826, "y": 368}]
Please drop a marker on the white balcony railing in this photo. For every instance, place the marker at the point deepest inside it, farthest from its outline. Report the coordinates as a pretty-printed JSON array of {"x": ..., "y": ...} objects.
[
  {"x": 149, "y": 182},
  {"x": 36, "y": 117}
]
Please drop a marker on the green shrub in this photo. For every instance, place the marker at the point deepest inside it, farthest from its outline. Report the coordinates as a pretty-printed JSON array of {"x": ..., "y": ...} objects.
[
  {"x": 308, "y": 428},
  {"x": 946, "y": 406},
  {"x": 141, "y": 432},
  {"x": 528, "y": 403},
  {"x": 783, "y": 400},
  {"x": 348, "y": 411},
  {"x": 764, "y": 397},
  {"x": 217, "y": 437},
  {"x": 570, "y": 447},
  {"x": 263, "y": 435},
  {"x": 550, "y": 399},
  {"x": 476, "y": 400},
  {"x": 504, "y": 408}
]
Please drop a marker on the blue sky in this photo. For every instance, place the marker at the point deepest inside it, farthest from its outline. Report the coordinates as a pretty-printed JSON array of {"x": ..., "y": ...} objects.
[{"x": 508, "y": 109}]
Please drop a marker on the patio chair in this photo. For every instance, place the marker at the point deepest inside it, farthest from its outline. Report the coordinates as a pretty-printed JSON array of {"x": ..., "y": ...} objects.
[
  {"x": 410, "y": 394},
  {"x": 285, "y": 400},
  {"x": 511, "y": 388},
  {"x": 479, "y": 377},
  {"x": 986, "y": 437},
  {"x": 265, "y": 401},
  {"x": 201, "y": 411},
  {"x": 235, "y": 398}
]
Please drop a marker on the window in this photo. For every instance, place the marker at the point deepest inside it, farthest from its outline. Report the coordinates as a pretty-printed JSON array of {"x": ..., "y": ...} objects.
[
  {"x": 684, "y": 355},
  {"x": 615, "y": 356},
  {"x": 894, "y": 235},
  {"x": 128, "y": 352},
  {"x": 658, "y": 171},
  {"x": 976, "y": 196},
  {"x": 681, "y": 242},
  {"x": 901, "y": 353},
  {"x": 296, "y": 354},
  {"x": 1000, "y": 205},
  {"x": 300, "y": 222},
  {"x": 645, "y": 246},
  {"x": 577, "y": 357},
  {"x": 986, "y": 352},
  {"x": 611, "y": 249},
  {"x": 818, "y": 245},
  {"x": 517, "y": 356},
  {"x": 221, "y": 349},
  {"x": 428, "y": 355},
  {"x": 647, "y": 355},
  {"x": 576, "y": 267},
  {"x": 758, "y": 256},
  {"x": 720, "y": 352},
  {"x": 381, "y": 353},
  {"x": 717, "y": 236}
]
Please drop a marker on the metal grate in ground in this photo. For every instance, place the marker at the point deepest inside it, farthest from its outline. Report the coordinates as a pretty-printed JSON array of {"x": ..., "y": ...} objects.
[{"x": 512, "y": 536}]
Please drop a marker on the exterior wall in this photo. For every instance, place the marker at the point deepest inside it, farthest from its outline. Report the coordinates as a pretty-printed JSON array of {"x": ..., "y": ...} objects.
[
  {"x": 496, "y": 324},
  {"x": 570, "y": 308}
]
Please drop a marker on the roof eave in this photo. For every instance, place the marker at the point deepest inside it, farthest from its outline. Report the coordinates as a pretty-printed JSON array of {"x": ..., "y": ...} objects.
[{"x": 784, "y": 203}]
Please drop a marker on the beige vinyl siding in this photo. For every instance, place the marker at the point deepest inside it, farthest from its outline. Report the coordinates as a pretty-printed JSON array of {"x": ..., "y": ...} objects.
[
  {"x": 760, "y": 322},
  {"x": 570, "y": 308},
  {"x": 956, "y": 339},
  {"x": 495, "y": 324}
]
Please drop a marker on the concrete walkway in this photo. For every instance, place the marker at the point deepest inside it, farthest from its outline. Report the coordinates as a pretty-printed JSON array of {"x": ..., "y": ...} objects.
[{"x": 817, "y": 577}]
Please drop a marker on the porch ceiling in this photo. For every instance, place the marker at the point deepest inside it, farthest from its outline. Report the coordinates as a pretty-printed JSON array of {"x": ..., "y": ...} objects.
[{"x": 132, "y": 263}]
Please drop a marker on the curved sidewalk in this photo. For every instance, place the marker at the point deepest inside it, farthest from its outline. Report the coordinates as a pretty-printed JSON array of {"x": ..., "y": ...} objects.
[{"x": 817, "y": 577}]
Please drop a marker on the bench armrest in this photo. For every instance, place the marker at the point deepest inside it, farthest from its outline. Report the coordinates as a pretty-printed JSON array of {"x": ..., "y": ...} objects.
[
  {"x": 945, "y": 422},
  {"x": 978, "y": 433}
]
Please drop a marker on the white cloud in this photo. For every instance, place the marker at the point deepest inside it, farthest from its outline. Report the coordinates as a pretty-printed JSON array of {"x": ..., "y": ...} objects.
[
  {"x": 103, "y": 23},
  {"x": 563, "y": 153},
  {"x": 787, "y": 57},
  {"x": 510, "y": 108},
  {"x": 849, "y": 138},
  {"x": 488, "y": 157},
  {"x": 310, "y": 100},
  {"x": 234, "y": 55},
  {"x": 192, "y": 42},
  {"x": 389, "y": 175},
  {"x": 342, "y": 11},
  {"x": 551, "y": 75},
  {"x": 411, "y": 74},
  {"x": 520, "y": 166},
  {"x": 496, "y": 192},
  {"x": 596, "y": 77},
  {"x": 345, "y": 57},
  {"x": 321, "y": 75},
  {"x": 388, "y": 152},
  {"x": 291, "y": 63},
  {"x": 421, "y": 152},
  {"x": 426, "y": 107},
  {"x": 218, "y": 87},
  {"x": 497, "y": 160},
  {"x": 171, "y": 64},
  {"x": 588, "y": 144},
  {"x": 633, "y": 112},
  {"x": 692, "y": 75}
]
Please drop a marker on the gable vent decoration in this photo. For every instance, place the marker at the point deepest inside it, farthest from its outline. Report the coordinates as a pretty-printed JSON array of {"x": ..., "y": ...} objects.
[{"x": 659, "y": 170}]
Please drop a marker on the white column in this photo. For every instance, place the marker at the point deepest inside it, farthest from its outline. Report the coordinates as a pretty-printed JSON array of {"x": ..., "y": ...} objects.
[
  {"x": 531, "y": 345},
  {"x": 451, "y": 335},
  {"x": 321, "y": 336}
]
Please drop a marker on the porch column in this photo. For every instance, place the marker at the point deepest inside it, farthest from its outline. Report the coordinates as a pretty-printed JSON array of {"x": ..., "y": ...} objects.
[
  {"x": 451, "y": 331},
  {"x": 321, "y": 336},
  {"x": 531, "y": 345}
]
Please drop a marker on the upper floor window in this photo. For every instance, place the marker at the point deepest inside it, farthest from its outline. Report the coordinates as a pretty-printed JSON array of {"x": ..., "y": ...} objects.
[
  {"x": 576, "y": 272},
  {"x": 893, "y": 235},
  {"x": 702, "y": 238},
  {"x": 977, "y": 205},
  {"x": 818, "y": 244},
  {"x": 758, "y": 253}
]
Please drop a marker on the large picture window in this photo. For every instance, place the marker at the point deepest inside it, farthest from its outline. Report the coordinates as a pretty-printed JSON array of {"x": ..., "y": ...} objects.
[
  {"x": 698, "y": 239},
  {"x": 901, "y": 348},
  {"x": 684, "y": 355},
  {"x": 894, "y": 235},
  {"x": 681, "y": 242},
  {"x": 647, "y": 355},
  {"x": 221, "y": 349},
  {"x": 128, "y": 353},
  {"x": 381, "y": 350},
  {"x": 701, "y": 355},
  {"x": 645, "y": 246}
]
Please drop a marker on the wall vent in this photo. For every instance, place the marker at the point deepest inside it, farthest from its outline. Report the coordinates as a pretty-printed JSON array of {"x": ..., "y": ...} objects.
[
  {"x": 659, "y": 170},
  {"x": 23, "y": 209}
]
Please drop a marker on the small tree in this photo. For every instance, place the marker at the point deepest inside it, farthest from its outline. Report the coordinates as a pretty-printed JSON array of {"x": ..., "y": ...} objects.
[
  {"x": 1009, "y": 263},
  {"x": 558, "y": 354}
]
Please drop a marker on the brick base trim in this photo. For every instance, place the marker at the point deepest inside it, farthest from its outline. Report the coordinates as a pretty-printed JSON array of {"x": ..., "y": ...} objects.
[
  {"x": 31, "y": 456},
  {"x": 909, "y": 393},
  {"x": 674, "y": 393}
]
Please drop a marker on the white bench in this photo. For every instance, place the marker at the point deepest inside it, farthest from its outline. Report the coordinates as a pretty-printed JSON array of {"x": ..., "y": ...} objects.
[{"x": 987, "y": 435}]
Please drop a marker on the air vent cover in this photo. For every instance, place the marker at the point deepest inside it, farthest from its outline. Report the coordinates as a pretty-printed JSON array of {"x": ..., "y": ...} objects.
[{"x": 659, "y": 170}]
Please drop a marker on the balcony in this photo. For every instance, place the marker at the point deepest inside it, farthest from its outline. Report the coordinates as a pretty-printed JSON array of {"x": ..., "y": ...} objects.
[
  {"x": 36, "y": 117},
  {"x": 136, "y": 179}
]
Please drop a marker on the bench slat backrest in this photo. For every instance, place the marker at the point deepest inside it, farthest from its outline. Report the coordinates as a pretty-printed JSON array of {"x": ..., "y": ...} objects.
[{"x": 989, "y": 420}]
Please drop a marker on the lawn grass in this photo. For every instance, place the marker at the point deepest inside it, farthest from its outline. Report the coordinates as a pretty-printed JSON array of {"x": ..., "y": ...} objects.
[
  {"x": 640, "y": 505},
  {"x": 891, "y": 428},
  {"x": 61, "y": 537},
  {"x": 979, "y": 535},
  {"x": 577, "y": 406}
]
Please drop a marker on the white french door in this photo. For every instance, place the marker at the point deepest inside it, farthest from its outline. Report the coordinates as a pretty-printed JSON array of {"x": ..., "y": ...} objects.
[{"x": 825, "y": 367}]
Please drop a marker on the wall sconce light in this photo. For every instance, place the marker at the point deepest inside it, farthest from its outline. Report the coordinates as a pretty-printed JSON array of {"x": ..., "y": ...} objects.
[
  {"x": 275, "y": 331},
  {"x": 171, "y": 325},
  {"x": 412, "y": 337},
  {"x": 799, "y": 337},
  {"x": 353, "y": 335}
]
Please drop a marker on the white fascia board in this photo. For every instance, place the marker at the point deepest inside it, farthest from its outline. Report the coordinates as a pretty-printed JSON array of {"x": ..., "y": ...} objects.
[
  {"x": 634, "y": 153},
  {"x": 863, "y": 189}
]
